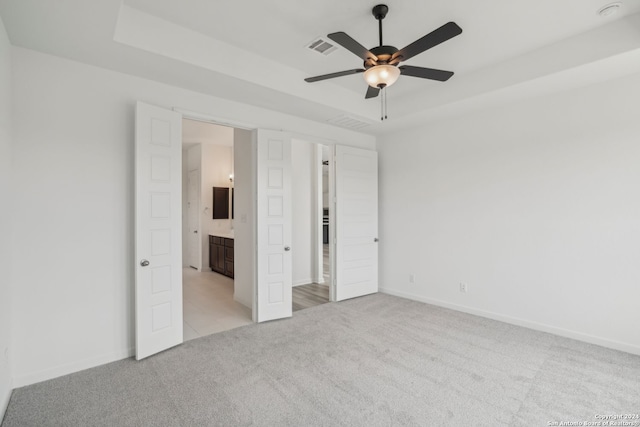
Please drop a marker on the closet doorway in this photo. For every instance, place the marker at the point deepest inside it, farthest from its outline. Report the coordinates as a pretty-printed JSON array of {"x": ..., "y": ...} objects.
[{"x": 311, "y": 224}]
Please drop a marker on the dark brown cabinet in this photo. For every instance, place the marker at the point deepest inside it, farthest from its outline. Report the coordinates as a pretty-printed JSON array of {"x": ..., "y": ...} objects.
[{"x": 221, "y": 255}]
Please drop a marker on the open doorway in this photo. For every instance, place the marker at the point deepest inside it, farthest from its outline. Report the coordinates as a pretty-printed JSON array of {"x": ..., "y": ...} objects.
[
  {"x": 311, "y": 224},
  {"x": 209, "y": 305}
]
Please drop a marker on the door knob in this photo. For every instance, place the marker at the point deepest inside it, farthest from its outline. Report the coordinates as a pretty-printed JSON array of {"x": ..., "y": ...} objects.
[
  {"x": 375, "y": 240},
  {"x": 287, "y": 248},
  {"x": 195, "y": 231},
  {"x": 144, "y": 263}
]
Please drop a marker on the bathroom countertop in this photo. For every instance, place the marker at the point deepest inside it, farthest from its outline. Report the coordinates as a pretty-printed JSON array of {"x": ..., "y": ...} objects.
[{"x": 226, "y": 235}]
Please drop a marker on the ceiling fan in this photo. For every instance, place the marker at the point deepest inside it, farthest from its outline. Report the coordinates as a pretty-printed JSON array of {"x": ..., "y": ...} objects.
[{"x": 381, "y": 68}]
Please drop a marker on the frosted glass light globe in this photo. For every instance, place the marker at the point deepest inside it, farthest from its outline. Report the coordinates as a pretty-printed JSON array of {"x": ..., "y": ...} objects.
[{"x": 384, "y": 75}]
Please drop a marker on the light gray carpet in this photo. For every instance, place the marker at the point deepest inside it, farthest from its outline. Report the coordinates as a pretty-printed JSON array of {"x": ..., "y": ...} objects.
[{"x": 373, "y": 361}]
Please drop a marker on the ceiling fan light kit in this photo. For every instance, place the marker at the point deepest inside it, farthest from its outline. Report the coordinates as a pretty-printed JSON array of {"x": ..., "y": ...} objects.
[
  {"x": 381, "y": 68},
  {"x": 381, "y": 76}
]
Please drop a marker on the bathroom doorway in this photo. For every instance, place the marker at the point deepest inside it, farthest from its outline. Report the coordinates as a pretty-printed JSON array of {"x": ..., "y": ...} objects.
[{"x": 208, "y": 162}]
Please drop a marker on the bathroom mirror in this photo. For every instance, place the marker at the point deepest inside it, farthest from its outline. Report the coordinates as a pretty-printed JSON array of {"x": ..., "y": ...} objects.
[{"x": 220, "y": 203}]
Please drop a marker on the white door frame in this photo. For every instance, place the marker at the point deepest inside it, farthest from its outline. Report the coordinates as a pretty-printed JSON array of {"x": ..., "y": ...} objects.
[
  {"x": 333, "y": 230},
  {"x": 332, "y": 208},
  {"x": 318, "y": 268}
]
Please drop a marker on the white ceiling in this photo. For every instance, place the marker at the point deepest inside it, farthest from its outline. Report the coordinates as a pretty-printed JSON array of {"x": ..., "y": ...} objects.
[
  {"x": 255, "y": 51},
  {"x": 198, "y": 132}
]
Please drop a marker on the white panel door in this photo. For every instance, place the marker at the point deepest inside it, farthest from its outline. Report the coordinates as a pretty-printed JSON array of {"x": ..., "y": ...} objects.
[
  {"x": 158, "y": 250},
  {"x": 274, "y": 278},
  {"x": 194, "y": 244},
  {"x": 356, "y": 219}
]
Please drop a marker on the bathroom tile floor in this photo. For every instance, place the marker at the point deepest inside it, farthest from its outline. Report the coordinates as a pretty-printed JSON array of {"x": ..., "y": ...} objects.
[{"x": 208, "y": 305}]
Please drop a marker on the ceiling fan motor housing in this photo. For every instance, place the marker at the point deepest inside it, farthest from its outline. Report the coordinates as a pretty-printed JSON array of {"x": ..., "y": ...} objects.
[{"x": 384, "y": 54}]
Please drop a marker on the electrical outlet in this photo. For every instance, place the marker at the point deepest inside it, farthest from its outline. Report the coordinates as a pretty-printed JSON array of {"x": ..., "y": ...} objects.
[
  {"x": 463, "y": 287},
  {"x": 412, "y": 278}
]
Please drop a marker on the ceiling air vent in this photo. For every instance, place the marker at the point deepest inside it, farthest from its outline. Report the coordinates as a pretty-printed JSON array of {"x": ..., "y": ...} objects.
[
  {"x": 348, "y": 122},
  {"x": 322, "y": 45}
]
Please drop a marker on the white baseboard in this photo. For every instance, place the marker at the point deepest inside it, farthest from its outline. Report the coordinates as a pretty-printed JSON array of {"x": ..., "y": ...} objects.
[
  {"x": 247, "y": 304},
  {"x": 69, "y": 368},
  {"x": 604, "y": 342},
  {"x": 301, "y": 282},
  {"x": 4, "y": 403}
]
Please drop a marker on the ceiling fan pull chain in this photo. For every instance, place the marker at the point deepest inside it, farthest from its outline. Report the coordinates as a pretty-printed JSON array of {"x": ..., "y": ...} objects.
[{"x": 385, "y": 105}]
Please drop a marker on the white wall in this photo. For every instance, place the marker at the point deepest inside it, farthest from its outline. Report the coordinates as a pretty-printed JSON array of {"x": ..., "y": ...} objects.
[
  {"x": 303, "y": 196},
  {"x": 5, "y": 219},
  {"x": 244, "y": 256},
  {"x": 535, "y": 206},
  {"x": 73, "y": 162},
  {"x": 191, "y": 162},
  {"x": 185, "y": 178},
  {"x": 325, "y": 191}
]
